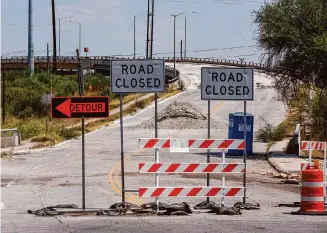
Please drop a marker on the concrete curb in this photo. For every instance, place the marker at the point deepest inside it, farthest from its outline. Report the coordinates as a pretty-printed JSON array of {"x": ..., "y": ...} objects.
[
  {"x": 278, "y": 147},
  {"x": 275, "y": 165}
]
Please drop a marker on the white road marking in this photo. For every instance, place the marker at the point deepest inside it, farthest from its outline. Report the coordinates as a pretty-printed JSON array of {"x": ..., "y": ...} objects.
[
  {"x": 68, "y": 155},
  {"x": 10, "y": 183},
  {"x": 2, "y": 205},
  {"x": 37, "y": 167}
]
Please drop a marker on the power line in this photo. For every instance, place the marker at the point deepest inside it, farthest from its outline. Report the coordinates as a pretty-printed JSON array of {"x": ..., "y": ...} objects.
[{"x": 66, "y": 30}]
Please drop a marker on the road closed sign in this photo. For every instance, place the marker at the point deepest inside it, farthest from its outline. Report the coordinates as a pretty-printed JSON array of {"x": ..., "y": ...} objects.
[
  {"x": 137, "y": 76},
  {"x": 221, "y": 83}
]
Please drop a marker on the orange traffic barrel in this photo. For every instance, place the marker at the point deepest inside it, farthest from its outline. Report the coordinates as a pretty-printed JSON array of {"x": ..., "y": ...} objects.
[{"x": 312, "y": 192}]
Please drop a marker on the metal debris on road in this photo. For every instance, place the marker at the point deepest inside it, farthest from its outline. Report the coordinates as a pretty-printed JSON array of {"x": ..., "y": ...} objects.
[
  {"x": 226, "y": 211},
  {"x": 47, "y": 211},
  {"x": 206, "y": 205},
  {"x": 124, "y": 206},
  {"x": 247, "y": 206},
  {"x": 173, "y": 209},
  {"x": 153, "y": 206},
  {"x": 290, "y": 181}
]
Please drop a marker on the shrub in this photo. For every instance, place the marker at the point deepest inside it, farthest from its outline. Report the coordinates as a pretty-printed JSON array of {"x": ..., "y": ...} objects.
[{"x": 270, "y": 133}]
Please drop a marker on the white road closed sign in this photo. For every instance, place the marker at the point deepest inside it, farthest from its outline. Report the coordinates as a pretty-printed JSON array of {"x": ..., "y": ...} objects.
[
  {"x": 137, "y": 76},
  {"x": 221, "y": 83}
]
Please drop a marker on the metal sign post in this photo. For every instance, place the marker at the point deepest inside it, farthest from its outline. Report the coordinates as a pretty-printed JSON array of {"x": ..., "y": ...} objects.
[
  {"x": 224, "y": 83},
  {"x": 244, "y": 155},
  {"x": 310, "y": 154},
  {"x": 223, "y": 155},
  {"x": 156, "y": 155},
  {"x": 324, "y": 167},
  {"x": 208, "y": 151},
  {"x": 46, "y": 101},
  {"x": 122, "y": 149},
  {"x": 83, "y": 139},
  {"x": 137, "y": 76}
]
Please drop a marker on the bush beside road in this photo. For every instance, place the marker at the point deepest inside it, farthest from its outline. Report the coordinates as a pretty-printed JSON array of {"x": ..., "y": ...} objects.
[{"x": 25, "y": 111}]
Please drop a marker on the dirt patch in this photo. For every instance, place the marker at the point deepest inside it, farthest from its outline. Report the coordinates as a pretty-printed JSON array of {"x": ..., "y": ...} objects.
[{"x": 181, "y": 115}]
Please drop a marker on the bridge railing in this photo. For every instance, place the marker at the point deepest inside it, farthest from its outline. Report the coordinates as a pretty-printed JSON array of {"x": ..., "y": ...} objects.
[{"x": 106, "y": 59}]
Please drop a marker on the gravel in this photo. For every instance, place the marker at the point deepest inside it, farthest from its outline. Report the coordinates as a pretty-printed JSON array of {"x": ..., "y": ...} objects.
[{"x": 181, "y": 115}]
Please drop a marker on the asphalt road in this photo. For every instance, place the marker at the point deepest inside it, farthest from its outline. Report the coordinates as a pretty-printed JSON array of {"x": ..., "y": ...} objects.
[{"x": 53, "y": 176}]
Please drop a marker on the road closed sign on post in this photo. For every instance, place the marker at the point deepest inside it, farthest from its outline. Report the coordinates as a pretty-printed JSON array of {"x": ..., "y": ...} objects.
[
  {"x": 222, "y": 83},
  {"x": 137, "y": 76}
]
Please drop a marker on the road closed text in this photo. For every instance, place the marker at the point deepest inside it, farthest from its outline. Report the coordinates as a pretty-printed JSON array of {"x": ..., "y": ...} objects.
[
  {"x": 138, "y": 76},
  {"x": 151, "y": 82},
  {"x": 227, "y": 84}
]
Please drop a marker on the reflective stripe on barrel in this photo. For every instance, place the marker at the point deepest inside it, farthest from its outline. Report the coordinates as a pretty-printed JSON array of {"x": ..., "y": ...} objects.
[{"x": 312, "y": 191}]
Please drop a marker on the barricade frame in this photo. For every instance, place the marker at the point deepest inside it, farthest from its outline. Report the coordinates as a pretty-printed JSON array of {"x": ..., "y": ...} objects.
[{"x": 185, "y": 145}]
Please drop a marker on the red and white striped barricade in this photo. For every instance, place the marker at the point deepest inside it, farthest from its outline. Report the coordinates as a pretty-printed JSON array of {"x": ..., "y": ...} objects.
[
  {"x": 184, "y": 145},
  {"x": 191, "y": 168},
  {"x": 168, "y": 143},
  {"x": 191, "y": 191},
  {"x": 315, "y": 146}
]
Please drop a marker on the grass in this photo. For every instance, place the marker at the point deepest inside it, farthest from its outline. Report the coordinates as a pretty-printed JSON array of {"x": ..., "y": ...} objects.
[
  {"x": 269, "y": 133},
  {"x": 60, "y": 130},
  {"x": 269, "y": 145}
]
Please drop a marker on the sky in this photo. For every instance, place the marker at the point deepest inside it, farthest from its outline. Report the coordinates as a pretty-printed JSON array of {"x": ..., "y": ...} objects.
[{"x": 218, "y": 28}]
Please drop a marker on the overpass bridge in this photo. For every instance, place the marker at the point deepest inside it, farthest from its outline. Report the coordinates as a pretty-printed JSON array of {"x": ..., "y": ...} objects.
[{"x": 68, "y": 64}]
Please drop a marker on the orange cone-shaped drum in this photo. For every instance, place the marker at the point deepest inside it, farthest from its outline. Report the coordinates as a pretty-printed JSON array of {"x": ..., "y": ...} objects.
[{"x": 312, "y": 192}]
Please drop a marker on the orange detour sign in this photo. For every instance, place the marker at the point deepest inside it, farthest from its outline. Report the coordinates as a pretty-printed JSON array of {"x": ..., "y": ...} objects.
[{"x": 78, "y": 107}]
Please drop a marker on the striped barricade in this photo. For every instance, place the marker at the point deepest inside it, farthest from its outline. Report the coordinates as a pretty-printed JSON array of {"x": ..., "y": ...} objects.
[
  {"x": 191, "y": 191},
  {"x": 197, "y": 191},
  {"x": 166, "y": 143},
  {"x": 191, "y": 168},
  {"x": 313, "y": 145}
]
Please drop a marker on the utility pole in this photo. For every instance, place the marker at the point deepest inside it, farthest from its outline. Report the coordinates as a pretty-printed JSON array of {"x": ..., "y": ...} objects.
[
  {"x": 174, "y": 47},
  {"x": 54, "y": 37},
  {"x": 175, "y": 41},
  {"x": 48, "y": 67},
  {"x": 181, "y": 49},
  {"x": 185, "y": 38},
  {"x": 185, "y": 34},
  {"x": 30, "y": 39},
  {"x": 134, "y": 37},
  {"x": 79, "y": 35},
  {"x": 149, "y": 40},
  {"x": 147, "y": 31},
  {"x": 152, "y": 14},
  {"x": 3, "y": 94}
]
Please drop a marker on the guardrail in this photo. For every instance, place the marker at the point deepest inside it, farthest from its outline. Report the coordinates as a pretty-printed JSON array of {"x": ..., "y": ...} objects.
[
  {"x": 105, "y": 60},
  {"x": 10, "y": 137}
]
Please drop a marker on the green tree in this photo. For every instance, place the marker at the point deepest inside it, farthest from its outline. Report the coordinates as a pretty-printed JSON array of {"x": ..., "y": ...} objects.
[{"x": 293, "y": 36}]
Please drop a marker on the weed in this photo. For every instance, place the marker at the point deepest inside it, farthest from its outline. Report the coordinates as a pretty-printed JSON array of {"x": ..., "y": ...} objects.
[{"x": 270, "y": 133}]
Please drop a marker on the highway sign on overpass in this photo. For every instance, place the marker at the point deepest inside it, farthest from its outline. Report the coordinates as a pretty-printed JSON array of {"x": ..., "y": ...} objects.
[
  {"x": 78, "y": 107},
  {"x": 137, "y": 76},
  {"x": 221, "y": 83}
]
